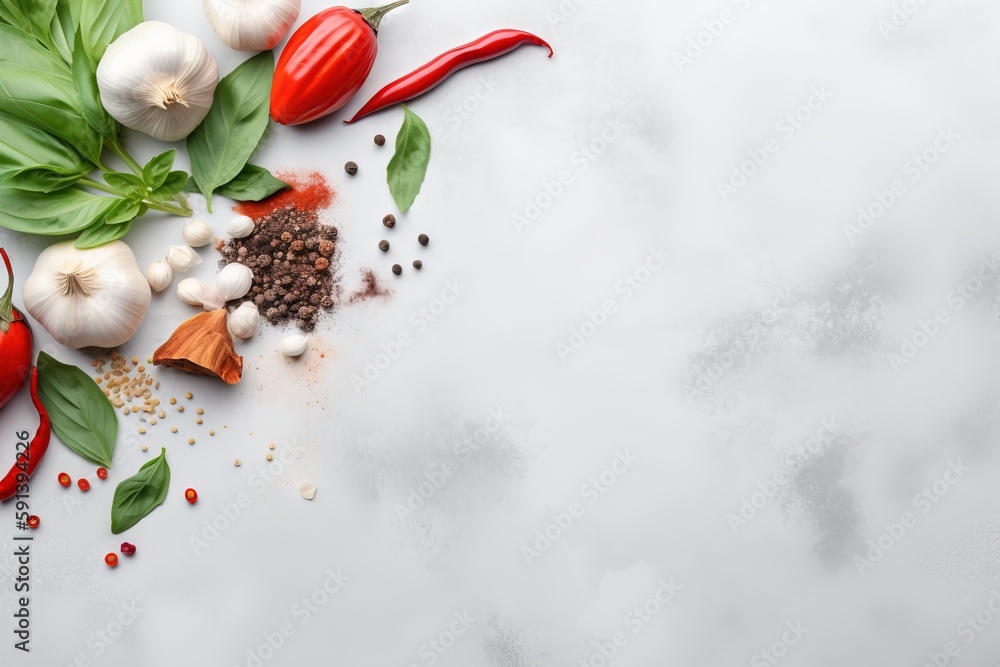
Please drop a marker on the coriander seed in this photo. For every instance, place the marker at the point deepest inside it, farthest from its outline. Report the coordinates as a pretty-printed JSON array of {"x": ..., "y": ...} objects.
[{"x": 351, "y": 168}]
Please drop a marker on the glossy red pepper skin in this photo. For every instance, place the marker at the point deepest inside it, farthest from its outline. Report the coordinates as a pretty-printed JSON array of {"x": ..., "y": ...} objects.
[
  {"x": 15, "y": 341},
  {"x": 325, "y": 63},
  {"x": 424, "y": 78},
  {"x": 27, "y": 461}
]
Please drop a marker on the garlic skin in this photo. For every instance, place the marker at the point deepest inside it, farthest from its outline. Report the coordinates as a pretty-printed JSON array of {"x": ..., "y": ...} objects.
[
  {"x": 197, "y": 233},
  {"x": 88, "y": 298},
  {"x": 240, "y": 227},
  {"x": 244, "y": 321},
  {"x": 294, "y": 345},
  {"x": 251, "y": 25},
  {"x": 158, "y": 80},
  {"x": 181, "y": 258},
  {"x": 235, "y": 281},
  {"x": 159, "y": 275},
  {"x": 212, "y": 299},
  {"x": 191, "y": 291}
]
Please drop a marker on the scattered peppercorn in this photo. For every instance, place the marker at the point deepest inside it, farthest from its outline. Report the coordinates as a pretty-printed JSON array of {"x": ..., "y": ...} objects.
[
  {"x": 191, "y": 496},
  {"x": 417, "y": 264},
  {"x": 423, "y": 239},
  {"x": 102, "y": 473},
  {"x": 379, "y": 140},
  {"x": 83, "y": 484},
  {"x": 65, "y": 479},
  {"x": 383, "y": 246},
  {"x": 389, "y": 221},
  {"x": 397, "y": 269},
  {"x": 34, "y": 521},
  {"x": 351, "y": 168},
  {"x": 111, "y": 560},
  {"x": 128, "y": 549}
]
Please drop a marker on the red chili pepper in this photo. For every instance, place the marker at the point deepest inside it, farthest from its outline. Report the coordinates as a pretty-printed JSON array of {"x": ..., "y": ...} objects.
[
  {"x": 424, "y": 78},
  {"x": 34, "y": 521},
  {"x": 29, "y": 459},
  {"x": 65, "y": 479},
  {"x": 83, "y": 484},
  {"x": 325, "y": 62},
  {"x": 102, "y": 473},
  {"x": 191, "y": 496},
  {"x": 15, "y": 341},
  {"x": 111, "y": 560}
]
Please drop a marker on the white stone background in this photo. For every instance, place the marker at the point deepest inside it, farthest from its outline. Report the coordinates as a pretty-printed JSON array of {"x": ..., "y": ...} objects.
[{"x": 847, "y": 302}]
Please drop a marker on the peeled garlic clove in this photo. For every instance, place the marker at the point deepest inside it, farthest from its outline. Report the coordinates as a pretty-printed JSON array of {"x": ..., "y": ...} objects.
[
  {"x": 181, "y": 258},
  {"x": 294, "y": 345},
  {"x": 251, "y": 25},
  {"x": 307, "y": 490},
  {"x": 244, "y": 321},
  {"x": 235, "y": 281},
  {"x": 191, "y": 291},
  {"x": 158, "y": 80},
  {"x": 159, "y": 275},
  {"x": 197, "y": 233},
  {"x": 240, "y": 227}
]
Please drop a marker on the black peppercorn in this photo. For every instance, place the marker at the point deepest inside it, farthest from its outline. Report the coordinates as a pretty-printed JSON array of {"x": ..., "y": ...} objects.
[
  {"x": 389, "y": 221},
  {"x": 351, "y": 168},
  {"x": 417, "y": 264},
  {"x": 383, "y": 246},
  {"x": 397, "y": 269},
  {"x": 379, "y": 140},
  {"x": 423, "y": 239}
]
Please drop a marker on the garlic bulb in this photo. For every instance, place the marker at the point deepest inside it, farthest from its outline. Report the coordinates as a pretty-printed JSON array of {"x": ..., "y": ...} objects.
[
  {"x": 191, "y": 291},
  {"x": 181, "y": 258},
  {"x": 197, "y": 233},
  {"x": 235, "y": 281},
  {"x": 240, "y": 227},
  {"x": 294, "y": 345},
  {"x": 88, "y": 298},
  {"x": 158, "y": 80},
  {"x": 244, "y": 321},
  {"x": 159, "y": 275},
  {"x": 251, "y": 25}
]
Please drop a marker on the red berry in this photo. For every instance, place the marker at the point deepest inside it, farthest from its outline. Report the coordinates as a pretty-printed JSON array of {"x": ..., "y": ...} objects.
[
  {"x": 111, "y": 560},
  {"x": 64, "y": 479},
  {"x": 191, "y": 496},
  {"x": 128, "y": 549},
  {"x": 34, "y": 521},
  {"x": 102, "y": 473},
  {"x": 83, "y": 484}
]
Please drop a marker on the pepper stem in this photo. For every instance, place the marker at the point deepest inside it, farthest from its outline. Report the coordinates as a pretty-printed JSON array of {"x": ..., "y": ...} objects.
[
  {"x": 6, "y": 303},
  {"x": 373, "y": 15}
]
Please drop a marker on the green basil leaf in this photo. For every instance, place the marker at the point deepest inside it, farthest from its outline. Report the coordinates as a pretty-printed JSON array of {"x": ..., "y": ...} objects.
[
  {"x": 37, "y": 87},
  {"x": 156, "y": 170},
  {"x": 124, "y": 210},
  {"x": 140, "y": 494},
  {"x": 252, "y": 184},
  {"x": 100, "y": 233},
  {"x": 173, "y": 184},
  {"x": 65, "y": 19},
  {"x": 85, "y": 77},
  {"x": 102, "y": 21},
  {"x": 61, "y": 212},
  {"x": 221, "y": 146},
  {"x": 31, "y": 159},
  {"x": 82, "y": 416},
  {"x": 127, "y": 184},
  {"x": 30, "y": 16},
  {"x": 190, "y": 186},
  {"x": 408, "y": 166}
]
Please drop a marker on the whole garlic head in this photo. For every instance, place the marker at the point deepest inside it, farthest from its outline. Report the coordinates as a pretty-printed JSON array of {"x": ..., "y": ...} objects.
[
  {"x": 240, "y": 227},
  {"x": 159, "y": 275},
  {"x": 158, "y": 80},
  {"x": 244, "y": 321},
  {"x": 88, "y": 298},
  {"x": 235, "y": 281},
  {"x": 294, "y": 345},
  {"x": 251, "y": 25},
  {"x": 197, "y": 233},
  {"x": 181, "y": 258}
]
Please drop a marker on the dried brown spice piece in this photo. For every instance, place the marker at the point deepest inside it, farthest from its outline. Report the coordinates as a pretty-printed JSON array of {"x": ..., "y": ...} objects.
[{"x": 203, "y": 345}]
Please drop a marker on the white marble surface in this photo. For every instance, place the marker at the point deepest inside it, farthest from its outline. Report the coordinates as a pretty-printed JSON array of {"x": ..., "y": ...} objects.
[{"x": 756, "y": 358}]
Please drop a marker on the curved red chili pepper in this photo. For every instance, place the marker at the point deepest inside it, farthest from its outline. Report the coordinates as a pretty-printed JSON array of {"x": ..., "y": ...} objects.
[
  {"x": 15, "y": 341},
  {"x": 28, "y": 460},
  {"x": 422, "y": 79}
]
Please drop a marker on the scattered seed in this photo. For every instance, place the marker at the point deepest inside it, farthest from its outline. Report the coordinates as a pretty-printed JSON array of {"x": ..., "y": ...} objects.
[
  {"x": 269, "y": 457},
  {"x": 417, "y": 264},
  {"x": 152, "y": 421},
  {"x": 180, "y": 408},
  {"x": 144, "y": 448},
  {"x": 200, "y": 411},
  {"x": 389, "y": 221},
  {"x": 397, "y": 269},
  {"x": 379, "y": 140},
  {"x": 382, "y": 245},
  {"x": 173, "y": 429},
  {"x": 190, "y": 441},
  {"x": 99, "y": 380},
  {"x": 351, "y": 168},
  {"x": 173, "y": 401},
  {"x": 189, "y": 395},
  {"x": 212, "y": 432},
  {"x": 135, "y": 360},
  {"x": 236, "y": 463},
  {"x": 161, "y": 414},
  {"x": 271, "y": 446},
  {"x": 142, "y": 430},
  {"x": 307, "y": 490},
  {"x": 423, "y": 239}
]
